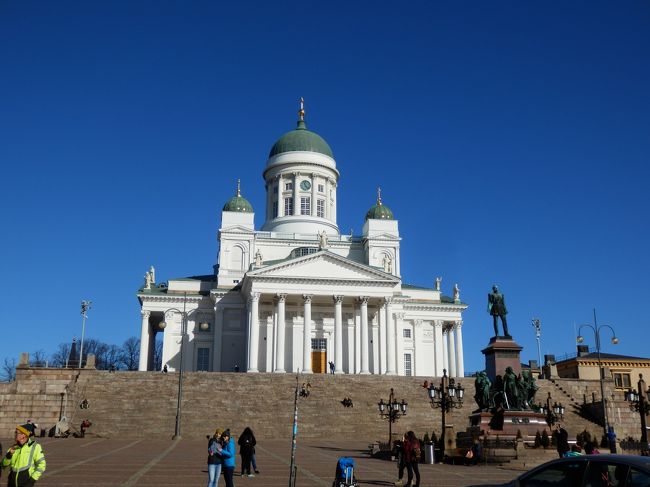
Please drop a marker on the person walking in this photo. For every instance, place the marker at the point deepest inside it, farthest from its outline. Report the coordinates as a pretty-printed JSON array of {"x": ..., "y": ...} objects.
[
  {"x": 25, "y": 459},
  {"x": 228, "y": 455},
  {"x": 214, "y": 458},
  {"x": 412, "y": 458},
  {"x": 561, "y": 440},
  {"x": 246, "y": 444}
]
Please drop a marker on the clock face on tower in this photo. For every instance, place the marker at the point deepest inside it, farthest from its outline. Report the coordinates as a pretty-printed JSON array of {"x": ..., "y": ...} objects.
[{"x": 305, "y": 185}]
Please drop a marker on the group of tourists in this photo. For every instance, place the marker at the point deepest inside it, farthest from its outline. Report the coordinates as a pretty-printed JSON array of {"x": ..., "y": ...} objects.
[{"x": 222, "y": 453}]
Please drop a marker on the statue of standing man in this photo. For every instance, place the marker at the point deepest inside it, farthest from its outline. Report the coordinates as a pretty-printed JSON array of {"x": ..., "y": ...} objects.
[{"x": 497, "y": 308}]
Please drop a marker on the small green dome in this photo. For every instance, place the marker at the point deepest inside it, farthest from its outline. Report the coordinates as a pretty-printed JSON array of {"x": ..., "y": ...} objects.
[
  {"x": 301, "y": 139},
  {"x": 238, "y": 203},
  {"x": 380, "y": 211}
]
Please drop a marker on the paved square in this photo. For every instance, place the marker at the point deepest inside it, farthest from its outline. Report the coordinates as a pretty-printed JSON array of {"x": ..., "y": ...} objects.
[{"x": 111, "y": 462}]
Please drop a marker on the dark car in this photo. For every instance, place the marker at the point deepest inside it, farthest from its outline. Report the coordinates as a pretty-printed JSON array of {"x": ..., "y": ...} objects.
[{"x": 588, "y": 471}]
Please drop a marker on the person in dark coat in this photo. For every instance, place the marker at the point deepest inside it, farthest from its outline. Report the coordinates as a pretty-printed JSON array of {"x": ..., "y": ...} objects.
[
  {"x": 561, "y": 440},
  {"x": 412, "y": 458},
  {"x": 246, "y": 444}
]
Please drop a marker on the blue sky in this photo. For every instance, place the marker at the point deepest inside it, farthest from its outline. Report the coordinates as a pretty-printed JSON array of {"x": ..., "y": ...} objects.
[{"x": 510, "y": 139}]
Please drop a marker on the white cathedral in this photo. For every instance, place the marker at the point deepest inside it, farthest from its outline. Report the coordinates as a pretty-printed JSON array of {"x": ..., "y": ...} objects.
[{"x": 297, "y": 295}]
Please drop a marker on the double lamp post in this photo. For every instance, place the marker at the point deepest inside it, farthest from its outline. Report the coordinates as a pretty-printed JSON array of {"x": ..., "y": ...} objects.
[
  {"x": 445, "y": 397},
  {"x": 392, "y": 410}
]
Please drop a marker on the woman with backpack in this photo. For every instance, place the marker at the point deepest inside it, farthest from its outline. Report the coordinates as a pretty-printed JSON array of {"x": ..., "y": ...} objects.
[{"x": 412, "y": 455}]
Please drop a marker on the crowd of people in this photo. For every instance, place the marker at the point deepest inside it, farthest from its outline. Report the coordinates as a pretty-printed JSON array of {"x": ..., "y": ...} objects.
[{"x": 222, "y": 455}]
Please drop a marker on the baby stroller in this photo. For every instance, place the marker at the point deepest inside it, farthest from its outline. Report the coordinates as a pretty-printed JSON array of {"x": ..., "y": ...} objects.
[{"x": 345, "y": 473}]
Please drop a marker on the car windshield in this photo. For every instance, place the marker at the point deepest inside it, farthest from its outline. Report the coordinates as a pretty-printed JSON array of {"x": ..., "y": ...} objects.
[{"x": 567, "y": 474}]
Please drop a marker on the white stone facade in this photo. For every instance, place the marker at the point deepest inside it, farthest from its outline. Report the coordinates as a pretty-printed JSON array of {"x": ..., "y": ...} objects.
[{"x": 297, "y": 294}]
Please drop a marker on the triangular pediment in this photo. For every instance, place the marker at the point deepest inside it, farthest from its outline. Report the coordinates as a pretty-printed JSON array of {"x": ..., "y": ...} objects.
[
  {"x": 383, "y": 236},
  {"x": 236, "y": 229},
  {"x": 323, "y": 265}
]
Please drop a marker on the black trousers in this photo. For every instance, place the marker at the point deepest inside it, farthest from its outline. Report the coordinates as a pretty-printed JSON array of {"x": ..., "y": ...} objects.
[
  {"x": 246, "y": 463},
  {"x": 410, "y": 468}
]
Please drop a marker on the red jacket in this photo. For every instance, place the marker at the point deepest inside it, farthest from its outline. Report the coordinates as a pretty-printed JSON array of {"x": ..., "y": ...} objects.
[{"x": 409, "y": 450}]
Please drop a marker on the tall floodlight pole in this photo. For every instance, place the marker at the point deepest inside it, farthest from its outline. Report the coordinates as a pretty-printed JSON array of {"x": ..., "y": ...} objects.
[
  {"x": 537, "y": 324},
  {"x": 597, "y": 329},
  {"x": 85, "y": 306}
]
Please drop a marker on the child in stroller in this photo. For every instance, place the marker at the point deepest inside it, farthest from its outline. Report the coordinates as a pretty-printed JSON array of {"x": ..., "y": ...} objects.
[{"x": 345, "y": 473}]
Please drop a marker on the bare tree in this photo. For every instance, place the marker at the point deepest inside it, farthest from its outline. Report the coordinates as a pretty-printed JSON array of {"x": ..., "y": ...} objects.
[
  {"x": 60, "y": 357},
  {"x": 8, "y": 371},
  {"x": 130, "y": 356},
  {"x": 111, "y": 358},
  {"x": 38, "y": 358}
]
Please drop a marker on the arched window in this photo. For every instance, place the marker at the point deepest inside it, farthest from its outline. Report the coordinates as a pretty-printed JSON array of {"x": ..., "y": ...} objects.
[{"x": 237, "y": 258}]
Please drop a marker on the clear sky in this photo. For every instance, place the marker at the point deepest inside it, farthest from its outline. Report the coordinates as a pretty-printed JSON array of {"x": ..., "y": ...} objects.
[{"x": 510, "y": 139}]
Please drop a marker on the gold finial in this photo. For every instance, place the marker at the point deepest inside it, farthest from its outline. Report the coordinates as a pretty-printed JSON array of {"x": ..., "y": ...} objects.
[
  {"x": 238, "y": 187},
  {"x": 301, "y": 112},
  {"x": 378, "y": 196}
]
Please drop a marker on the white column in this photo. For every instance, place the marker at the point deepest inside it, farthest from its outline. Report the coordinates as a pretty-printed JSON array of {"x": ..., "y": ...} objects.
[
  {"x": 279, "y": 341},
  {"x": 445, "y": 355},
  {"x": 399, "y": 343},
  {"x": 357, "y": 340},
  {"x": 363, "y": 300},
  {"x": 390, "y": 339},
  {"x": 254, "y": 335},
  {"x": 451, "y": 352},
  {"x": 460, "y": 362},
  {"x": 437, "y": 343},
  {"x": 306, "y": 338},
  {"x": 327, "y": 198},
  {"x": 280, "y": 196},
  {"x": 296, "y": 194},
  {"x": 216, "y": 339},
  {"x": 313, "y": 194},
  {"x": 144, "y": 341},
  {"x": 382, "y": 339},
  {"x": 338, "y": 334}
]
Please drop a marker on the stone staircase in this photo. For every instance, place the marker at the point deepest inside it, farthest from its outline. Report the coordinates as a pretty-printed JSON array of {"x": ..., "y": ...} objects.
[{"x": 143, "y": 404}]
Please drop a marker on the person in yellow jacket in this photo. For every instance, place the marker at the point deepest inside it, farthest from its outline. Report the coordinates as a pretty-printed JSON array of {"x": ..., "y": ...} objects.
[{"x": 25, "y": 459}]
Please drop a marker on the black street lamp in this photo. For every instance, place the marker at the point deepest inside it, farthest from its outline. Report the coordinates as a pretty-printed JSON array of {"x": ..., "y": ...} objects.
[
  {"x": 639, "y": 402},
  {"x": 553, "y": 413},
  {"x": 392, "y": 411},
  {"x": 446, "y": 397},
  {"x": 597, "y": 329}
]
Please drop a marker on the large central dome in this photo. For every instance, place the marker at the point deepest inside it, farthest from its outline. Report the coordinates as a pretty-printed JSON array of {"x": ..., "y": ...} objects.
[{"x": 301, "y": 139}]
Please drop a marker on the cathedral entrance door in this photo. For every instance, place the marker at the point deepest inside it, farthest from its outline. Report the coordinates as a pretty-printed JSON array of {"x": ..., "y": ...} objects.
[
  {"x": 319, "y": 355},
  {"x": 318, "y": 361}
]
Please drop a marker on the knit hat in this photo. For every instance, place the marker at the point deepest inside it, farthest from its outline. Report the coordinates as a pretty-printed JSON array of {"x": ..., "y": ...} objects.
[
  {"x": 218, "y": 432},
  {"x": 26, "y": 429},
  {"x": 225, "y": 433}
]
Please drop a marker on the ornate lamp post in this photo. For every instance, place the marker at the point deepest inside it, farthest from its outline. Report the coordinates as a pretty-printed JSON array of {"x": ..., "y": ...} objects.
[
  {"x": 554, "y": 412},
  {"x": 597, "y": 329},
  {"x": 445, "y": 397},
  {"x": 392, "y": 411},
  {"x": 639, "y": 402},
  {"x": 537, "y": 324}
]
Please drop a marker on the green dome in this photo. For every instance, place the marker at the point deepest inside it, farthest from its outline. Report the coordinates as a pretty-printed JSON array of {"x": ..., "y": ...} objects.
[
  {"x": 301, "y": 139},
  {"x": 380, "y": 211},
  {"x": 238, "y": 203}
]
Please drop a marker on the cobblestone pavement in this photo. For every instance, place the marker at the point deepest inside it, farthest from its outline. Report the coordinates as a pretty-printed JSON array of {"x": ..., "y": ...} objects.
[{"x": 111, "y": 462}]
